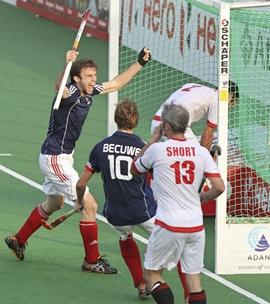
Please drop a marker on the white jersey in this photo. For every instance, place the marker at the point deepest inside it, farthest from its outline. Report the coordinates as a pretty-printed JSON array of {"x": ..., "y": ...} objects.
[
  {"x": 200, "y": 102},
  {"x": 178, "y": 170}
]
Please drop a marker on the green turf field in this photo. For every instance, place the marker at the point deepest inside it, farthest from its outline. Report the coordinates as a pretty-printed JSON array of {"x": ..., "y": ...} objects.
[{"x": 31, "y": 54}]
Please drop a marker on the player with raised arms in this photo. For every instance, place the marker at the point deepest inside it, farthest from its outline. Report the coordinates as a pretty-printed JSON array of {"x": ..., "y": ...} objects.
[{"x": 56, "y": 157}]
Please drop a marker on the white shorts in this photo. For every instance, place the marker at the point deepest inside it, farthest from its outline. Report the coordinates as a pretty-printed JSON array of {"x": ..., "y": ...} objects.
[
  {"x": 60, "y": 176},
  {"x": 166, "y": 248},
  {"x": 188, "y": 133},
  {"x": 125, "y": 231}
]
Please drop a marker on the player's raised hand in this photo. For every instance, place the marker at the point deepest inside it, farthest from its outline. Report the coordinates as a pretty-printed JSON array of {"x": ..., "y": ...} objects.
[
  {"x": 157, "y": 133},
  {"x": 144, "y": 56},
  {"x": 71, "y": 55}
]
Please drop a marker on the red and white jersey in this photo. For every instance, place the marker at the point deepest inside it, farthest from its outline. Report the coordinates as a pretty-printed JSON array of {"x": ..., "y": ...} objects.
[
  {"x": 178, "y": 170},
  {"x": 200, "y": 101}
]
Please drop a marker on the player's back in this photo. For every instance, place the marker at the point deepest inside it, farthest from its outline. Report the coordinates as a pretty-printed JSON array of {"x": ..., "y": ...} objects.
[
  {"x": 179, "y": 167},
  {"x": 129, "y": 200},
  {"x": 197, "y": 99}
]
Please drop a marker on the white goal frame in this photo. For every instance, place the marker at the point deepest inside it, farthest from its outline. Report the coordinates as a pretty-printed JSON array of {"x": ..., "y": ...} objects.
[{"x": 233, "y": 253}]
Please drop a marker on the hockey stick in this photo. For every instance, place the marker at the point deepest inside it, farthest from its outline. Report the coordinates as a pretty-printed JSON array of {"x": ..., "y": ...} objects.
[
  {"x": 69, "y": 64},
  {"x": 59, "y": 220}
]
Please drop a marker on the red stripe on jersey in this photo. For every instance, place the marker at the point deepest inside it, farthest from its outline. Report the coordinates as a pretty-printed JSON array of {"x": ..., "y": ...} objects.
[
  {"x": 157, "y": 118},
  {"x": 57, "y": 170},
  {"x": 211, "y": 125},
  {"x": 179, "y": 139},
  {"x": 149, "y": 178},
  {"x": 89, "y": 169},
  {"x": 179, "y": 229},
  {"x": 211, "y": 174},
  {"x": 134, "y": 168}
]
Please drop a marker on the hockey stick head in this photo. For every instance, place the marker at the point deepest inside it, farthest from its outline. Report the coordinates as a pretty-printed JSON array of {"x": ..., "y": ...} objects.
[
  {"x": 46, "y": 225},
  {"x": 59, "y": 220}
]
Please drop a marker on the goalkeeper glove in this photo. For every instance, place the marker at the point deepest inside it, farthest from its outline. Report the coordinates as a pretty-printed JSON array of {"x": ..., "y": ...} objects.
[
  {"x": 144, "y": 56},
  {"x": 215, "y": 151}
]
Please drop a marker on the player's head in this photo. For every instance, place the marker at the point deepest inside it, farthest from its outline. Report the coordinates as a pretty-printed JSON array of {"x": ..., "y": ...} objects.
[
  {"x": 174, "y": 117},
  {"x": 233, "y": 93},
  {"x": 126, "y": 115},
  {"x": 84, "y": 74}
]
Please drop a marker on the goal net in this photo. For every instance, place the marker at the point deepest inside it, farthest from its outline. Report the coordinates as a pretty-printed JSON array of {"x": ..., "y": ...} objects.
[{"x": 183, "y": 37}]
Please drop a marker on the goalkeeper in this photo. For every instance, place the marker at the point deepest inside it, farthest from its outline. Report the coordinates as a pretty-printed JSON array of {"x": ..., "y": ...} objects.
[{"x": 201, "y": 102}]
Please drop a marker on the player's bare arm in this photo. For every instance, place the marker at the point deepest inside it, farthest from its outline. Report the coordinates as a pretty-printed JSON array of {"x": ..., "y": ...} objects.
[
  {"x": 81, "y": 185},
  {"x": 217, "y": 188},
  {"x": 124, "y": 78},
  {"x": 207, "y": 137},
  {"x": 70, "y": 56}
]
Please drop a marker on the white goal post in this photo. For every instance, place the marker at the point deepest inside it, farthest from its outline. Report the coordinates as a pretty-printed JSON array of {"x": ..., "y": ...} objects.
[
  {"x": 210, "y": 42},
  {"x": 242, "y": 240}
]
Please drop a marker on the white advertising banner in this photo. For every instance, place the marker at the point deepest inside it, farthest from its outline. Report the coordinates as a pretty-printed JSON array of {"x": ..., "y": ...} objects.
[
  {"x": 249, "y": 247},
  {"x": 183, "y": 31},
  {"x": 178, "y": 32}
]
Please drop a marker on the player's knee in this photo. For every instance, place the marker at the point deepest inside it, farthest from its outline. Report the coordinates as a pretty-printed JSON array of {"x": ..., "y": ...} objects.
[
  {"x": 193, "y": 282},
  {"x": 53, "y": 203},
  {"x": 90, "y": 204},
  {"x": 147, "y": 277}
]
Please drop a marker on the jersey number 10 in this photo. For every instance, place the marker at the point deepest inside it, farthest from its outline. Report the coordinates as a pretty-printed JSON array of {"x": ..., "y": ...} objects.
[{"x": 115, "y": 166}]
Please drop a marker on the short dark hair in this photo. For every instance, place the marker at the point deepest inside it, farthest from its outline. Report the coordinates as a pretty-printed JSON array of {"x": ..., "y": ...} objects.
[
  {"x": 80, "y": 64},
  {"x": 233, "y": 89},
  {"x": 176, "y": 116},
  {"x": 126, "y": 115}
]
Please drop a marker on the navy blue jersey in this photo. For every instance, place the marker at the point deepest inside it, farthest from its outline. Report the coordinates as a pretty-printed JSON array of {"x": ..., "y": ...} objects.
[
  {"x": 66, "y": 124},
  {"x": 129, "y": 200}
]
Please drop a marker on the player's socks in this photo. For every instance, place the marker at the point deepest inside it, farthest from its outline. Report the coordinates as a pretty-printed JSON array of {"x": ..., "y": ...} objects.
[
  {"x": 162, "y": 293},
  {"x": 89, "y": 232},
  {"x": 31, "y": 225},
  {"x": 197, "y": 297},
  {"x": 131, "y": 256},
  {"x": 182, "y": 277}
]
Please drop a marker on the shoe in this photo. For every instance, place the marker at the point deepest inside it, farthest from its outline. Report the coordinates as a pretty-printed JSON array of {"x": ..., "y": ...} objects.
[
  {"x": 143, "y": 291},
  {"x": 17, "y": 249},
  {"x": 101, "y": 266}
]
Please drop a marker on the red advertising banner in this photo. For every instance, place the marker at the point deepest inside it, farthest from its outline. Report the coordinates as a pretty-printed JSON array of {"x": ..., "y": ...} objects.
[{"x": 69, "y": 13}]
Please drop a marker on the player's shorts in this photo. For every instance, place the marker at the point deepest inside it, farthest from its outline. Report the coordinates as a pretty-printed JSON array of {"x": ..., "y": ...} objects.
[
  {"x": 60, "y": 176},
  {"x": 125, "y": 231},
  {"x": 166, "y": 248}
]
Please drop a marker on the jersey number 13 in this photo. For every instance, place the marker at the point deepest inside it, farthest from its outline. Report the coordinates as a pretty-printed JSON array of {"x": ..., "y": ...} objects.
[{"x": 187, "y": 168}]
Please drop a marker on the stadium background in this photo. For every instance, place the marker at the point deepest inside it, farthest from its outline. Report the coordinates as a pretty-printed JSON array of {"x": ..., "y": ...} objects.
[{"x": 32, "y": 53}]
